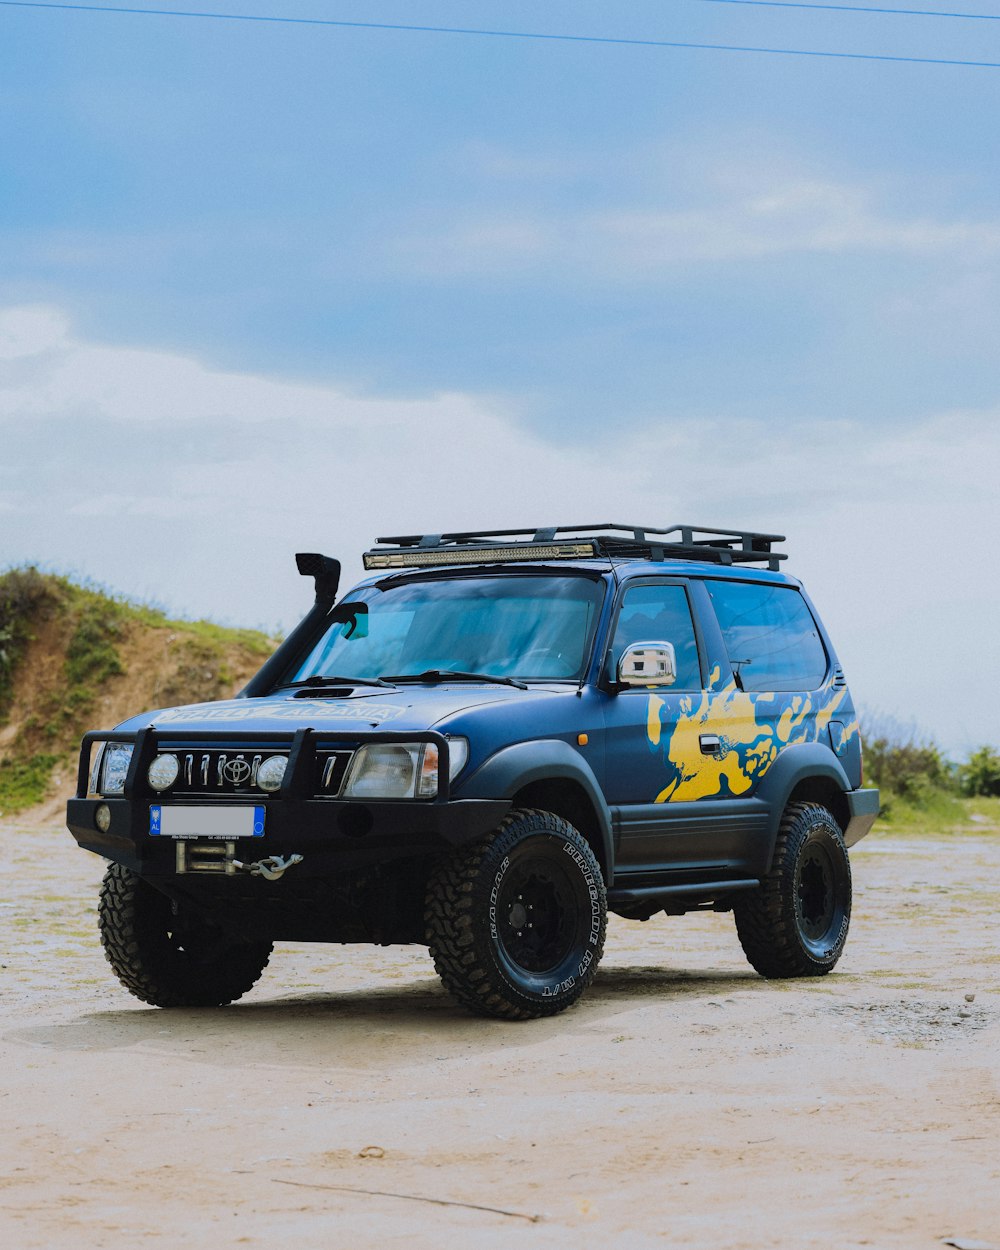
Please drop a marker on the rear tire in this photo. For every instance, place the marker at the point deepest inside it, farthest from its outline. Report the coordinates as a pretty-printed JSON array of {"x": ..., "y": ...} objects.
[
  {"x": 516, "y": 923},
  {"x": 796, "y": 924},
  {"x": 167, "y": 959}
]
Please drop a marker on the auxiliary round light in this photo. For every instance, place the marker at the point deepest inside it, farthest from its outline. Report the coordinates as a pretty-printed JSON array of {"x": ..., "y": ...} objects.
[
  {"x": 102, "y": 817},
  {"x": 272, "y": 772},
  {"x": 163, "y": 772}
]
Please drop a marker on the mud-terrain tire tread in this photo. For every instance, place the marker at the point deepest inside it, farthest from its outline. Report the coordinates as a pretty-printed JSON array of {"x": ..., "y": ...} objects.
[
  {"x": 766, "y": 919},
  {"x": 460, "y": 956},
  {"x": 133, "y": 920}
]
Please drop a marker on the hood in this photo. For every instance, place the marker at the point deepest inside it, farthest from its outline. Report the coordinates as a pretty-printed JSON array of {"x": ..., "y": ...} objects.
[{"x": 365, "y": 710}]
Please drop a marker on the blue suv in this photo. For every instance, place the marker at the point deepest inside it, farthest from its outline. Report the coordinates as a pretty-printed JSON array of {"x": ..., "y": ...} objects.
[{"x": 484, "y": 747}]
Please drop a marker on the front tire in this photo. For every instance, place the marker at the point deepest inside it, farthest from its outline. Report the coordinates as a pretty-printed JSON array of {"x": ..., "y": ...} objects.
[
  {"x": 167, "y": 959},
  {"x": 516, "y": 923},
  {"x": 796, "y": 924}
]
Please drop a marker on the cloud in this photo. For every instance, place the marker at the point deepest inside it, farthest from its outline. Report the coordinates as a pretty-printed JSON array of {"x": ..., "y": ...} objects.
[
  {"x": 702, "y": 216},
  {"x": 53, "y": 374},
  {"x": 28, "y": 332},
  {"x": 797, "y": 217},
  {"x": 191, "y": 486}
]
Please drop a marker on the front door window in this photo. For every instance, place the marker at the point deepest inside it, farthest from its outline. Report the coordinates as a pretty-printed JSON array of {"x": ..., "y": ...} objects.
[{"x": 659, "y": 614}]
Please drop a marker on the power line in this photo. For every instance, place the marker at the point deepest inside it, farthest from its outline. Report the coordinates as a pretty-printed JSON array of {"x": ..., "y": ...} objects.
[
  {"x": 499, "y": 34},
  {"x": 859, "y": 8}
]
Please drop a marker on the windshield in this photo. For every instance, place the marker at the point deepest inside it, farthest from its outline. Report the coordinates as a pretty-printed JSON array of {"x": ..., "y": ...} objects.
[{"x": 524, "y": 627}]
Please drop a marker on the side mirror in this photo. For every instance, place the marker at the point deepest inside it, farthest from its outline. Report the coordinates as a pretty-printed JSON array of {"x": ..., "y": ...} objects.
[{"x": 648, "y": 664}]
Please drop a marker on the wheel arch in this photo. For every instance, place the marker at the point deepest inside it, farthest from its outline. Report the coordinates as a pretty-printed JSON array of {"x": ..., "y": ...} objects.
[
  {"x": 551, "y": 776},
  {"x": 565, "y": 797},
  {"x": 826, "y": 792},
  {"x": 807, "y": 772}
]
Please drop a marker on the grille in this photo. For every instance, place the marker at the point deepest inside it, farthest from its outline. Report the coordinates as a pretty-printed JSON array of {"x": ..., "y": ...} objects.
[
  {"x": 229, "y": 771},
  {"x": 331, "y": 769}
]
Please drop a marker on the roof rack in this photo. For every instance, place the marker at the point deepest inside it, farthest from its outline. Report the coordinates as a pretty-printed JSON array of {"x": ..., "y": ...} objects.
[{"x": 577, "y": 542}]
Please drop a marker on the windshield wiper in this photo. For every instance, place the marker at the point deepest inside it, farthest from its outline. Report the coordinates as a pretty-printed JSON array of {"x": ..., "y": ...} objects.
[
  {"x": 446, "y": 674},
  {"x": 324, "y": 680}
]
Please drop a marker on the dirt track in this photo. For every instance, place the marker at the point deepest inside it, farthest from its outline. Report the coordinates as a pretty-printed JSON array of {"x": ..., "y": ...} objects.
[{"x": 685, "y": 1102}]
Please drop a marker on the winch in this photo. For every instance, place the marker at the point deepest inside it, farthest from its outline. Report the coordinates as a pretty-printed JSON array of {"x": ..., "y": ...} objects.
[{"x": 219, "y": 857}]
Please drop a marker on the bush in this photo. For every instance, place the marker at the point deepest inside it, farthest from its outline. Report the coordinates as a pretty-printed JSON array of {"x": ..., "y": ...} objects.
[
  {"x": 899, "y": 762},
  {"x": 981, "y": 774},
  {"x": 25, "y": 597},
  {"x": 91, "y": 656},
  {"x": 919, "y": 787}
]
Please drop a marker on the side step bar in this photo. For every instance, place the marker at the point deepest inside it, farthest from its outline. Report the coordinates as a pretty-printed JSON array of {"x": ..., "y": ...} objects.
[{"x": 665, "y": 894}]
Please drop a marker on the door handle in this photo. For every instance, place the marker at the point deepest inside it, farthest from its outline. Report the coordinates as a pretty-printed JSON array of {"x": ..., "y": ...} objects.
[{"x": 710, "y": 744}]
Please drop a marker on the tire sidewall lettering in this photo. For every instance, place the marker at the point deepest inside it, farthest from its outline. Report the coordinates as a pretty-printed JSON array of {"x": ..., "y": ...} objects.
[
  {"x": 561, "y": 987},
  {"x": 594, "y": 937},
  {"x": 494, "y": 894}
]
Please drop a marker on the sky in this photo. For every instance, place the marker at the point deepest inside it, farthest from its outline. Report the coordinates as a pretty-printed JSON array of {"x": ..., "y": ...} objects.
[{"x": 269, "y": 287}]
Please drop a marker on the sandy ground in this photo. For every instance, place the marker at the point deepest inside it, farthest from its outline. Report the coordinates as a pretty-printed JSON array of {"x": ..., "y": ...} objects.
[{"x": 346, "y": 1102}]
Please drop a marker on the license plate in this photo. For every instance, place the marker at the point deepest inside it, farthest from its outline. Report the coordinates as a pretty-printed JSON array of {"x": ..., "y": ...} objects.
[{"x": 206, "y": 822}]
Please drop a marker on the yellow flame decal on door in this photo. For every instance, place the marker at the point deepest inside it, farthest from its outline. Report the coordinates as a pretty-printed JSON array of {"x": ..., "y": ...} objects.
[{"x": 749, "y": 745}]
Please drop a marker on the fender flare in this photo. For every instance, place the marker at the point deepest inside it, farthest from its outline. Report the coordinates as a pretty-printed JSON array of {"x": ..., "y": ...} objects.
[
  {"x": 804, "y": 761},
  {"x": 511, "y": 768}
]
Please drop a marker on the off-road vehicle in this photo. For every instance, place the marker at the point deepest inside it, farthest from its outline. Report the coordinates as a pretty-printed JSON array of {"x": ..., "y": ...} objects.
[{"x": 489, "y": 743}]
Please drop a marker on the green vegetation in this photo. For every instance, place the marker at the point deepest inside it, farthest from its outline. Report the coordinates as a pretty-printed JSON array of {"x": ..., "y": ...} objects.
[
  {"x": 213, "y": 635},
  {"x": 26, "y": 597},
  {"x": 929, "y": 811},
  {"x": 31, "y": 601},
  {"x": 923, "y": 790},
  {"x": 980, "y": 775},
  {"x": 92, "y": 656},
  {"x": 64, "y": 650},
  {"x": 24, "y": 782}
]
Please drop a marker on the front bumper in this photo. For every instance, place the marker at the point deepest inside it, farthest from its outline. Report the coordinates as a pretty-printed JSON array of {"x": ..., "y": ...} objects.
[{"x": 330, "y": 834}]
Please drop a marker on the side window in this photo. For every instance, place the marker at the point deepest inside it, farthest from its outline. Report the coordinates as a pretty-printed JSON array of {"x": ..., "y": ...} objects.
[
  {"x": 770, "y": 635},
  {"x": 659, "y": 614}
]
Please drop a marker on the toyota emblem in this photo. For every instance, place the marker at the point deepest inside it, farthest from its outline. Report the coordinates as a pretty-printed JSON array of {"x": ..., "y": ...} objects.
[{"x": 236, "y": 771}]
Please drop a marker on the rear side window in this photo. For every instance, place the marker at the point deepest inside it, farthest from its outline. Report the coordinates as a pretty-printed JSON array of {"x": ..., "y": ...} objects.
[{"x": 770, "y": 635}]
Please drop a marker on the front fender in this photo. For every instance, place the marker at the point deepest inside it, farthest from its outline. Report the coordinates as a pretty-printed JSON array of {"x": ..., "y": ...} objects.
[{"x": 512, "y": 768}]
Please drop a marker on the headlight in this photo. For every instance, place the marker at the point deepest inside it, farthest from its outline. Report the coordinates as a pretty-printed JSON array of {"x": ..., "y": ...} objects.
[
  {"x": 114, "y": 766},
  {"x": 401, "y": 770},
  {"x": 163, "y": 772},
  {"x": 386, "y": 770},
  {"x": 272, "y": 772}
]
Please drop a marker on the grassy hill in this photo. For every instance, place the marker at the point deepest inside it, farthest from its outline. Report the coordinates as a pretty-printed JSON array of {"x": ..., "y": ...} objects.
[{"x": 74, "y": 658}]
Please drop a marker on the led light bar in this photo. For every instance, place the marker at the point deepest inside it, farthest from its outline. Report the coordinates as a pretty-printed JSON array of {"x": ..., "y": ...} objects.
[{"x": 414, "y": 557}]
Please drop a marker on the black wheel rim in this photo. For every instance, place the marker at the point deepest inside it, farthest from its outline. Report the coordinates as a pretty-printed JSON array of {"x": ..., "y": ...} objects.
[
  {"x": 819, "y": 897},
  {"x": 538, "y": 917}
]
